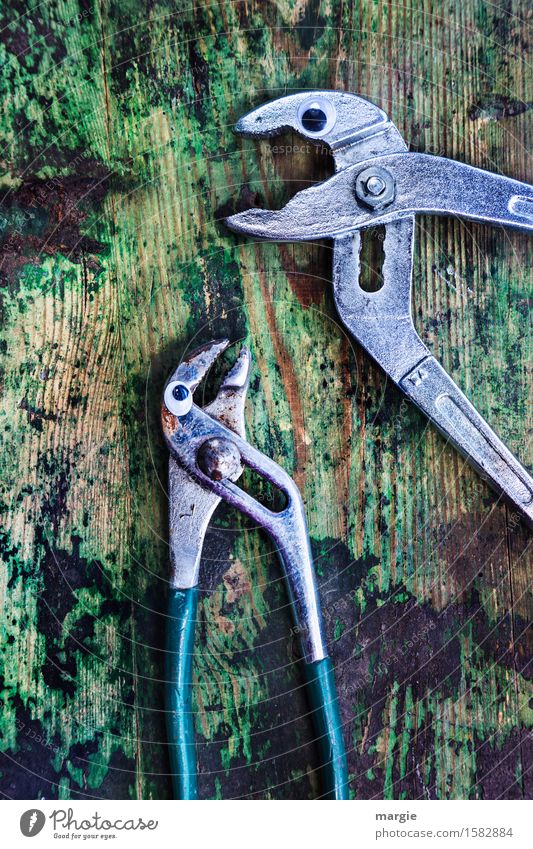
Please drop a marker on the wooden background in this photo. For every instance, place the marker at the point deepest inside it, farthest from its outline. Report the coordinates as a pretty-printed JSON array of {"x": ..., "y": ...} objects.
[{"x": 117, "y": 157}]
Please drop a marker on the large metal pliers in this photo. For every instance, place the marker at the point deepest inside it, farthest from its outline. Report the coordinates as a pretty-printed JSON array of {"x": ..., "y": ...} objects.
[
  {"x": 208, "y": 451},
  {"x": 378, "y": 182}
]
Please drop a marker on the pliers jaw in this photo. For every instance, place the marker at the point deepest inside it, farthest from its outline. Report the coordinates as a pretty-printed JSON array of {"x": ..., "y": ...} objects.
[
  {"x": 228, "y": 405},
  {"x": 333, "y": 118}
]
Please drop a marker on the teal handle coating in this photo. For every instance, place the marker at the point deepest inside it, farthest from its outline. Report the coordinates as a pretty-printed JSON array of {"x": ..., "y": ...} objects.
[
  {"x": 182, "y": 614},
  {"x": 322, "y": 696},
  {"x": 182, "y": 609}
]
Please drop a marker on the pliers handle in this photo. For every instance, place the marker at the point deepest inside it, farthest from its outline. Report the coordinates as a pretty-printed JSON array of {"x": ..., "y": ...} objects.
[{"x": 321, "y": 694}]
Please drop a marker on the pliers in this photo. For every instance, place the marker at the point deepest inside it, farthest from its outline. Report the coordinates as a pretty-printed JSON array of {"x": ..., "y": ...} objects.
[
  {"x": 208, "y": 450},
  {"x": 378, "y": 182}
]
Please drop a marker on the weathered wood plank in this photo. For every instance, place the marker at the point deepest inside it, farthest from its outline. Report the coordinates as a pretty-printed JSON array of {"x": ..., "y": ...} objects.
[{"x": 118, "y": 157}]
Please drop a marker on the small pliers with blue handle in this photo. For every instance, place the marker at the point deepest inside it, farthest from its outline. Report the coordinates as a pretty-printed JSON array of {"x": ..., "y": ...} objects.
[
  {"x": 379, "y": 182},
  {"x": 208, "y": 451}
]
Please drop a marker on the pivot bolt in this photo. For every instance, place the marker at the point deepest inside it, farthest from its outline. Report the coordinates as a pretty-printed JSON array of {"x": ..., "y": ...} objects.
[
  {"x": 375, "y": 187},
  {"x": 219, "y": 458}
]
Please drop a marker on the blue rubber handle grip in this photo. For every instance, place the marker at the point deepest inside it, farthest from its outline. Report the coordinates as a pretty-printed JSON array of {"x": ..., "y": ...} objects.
[
  {"x": 322, "y": 696},
  {"x": 182, "y": 610},
  {"x": 182, "y": 614}
]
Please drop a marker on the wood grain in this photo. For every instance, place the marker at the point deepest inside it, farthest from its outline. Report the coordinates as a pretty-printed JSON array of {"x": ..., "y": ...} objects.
[{"x": 117, "y": 159}]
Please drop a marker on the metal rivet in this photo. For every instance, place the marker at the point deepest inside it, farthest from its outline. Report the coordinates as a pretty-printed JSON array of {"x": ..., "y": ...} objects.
[
  {"x": 375, "y": 187},
  {"x": 219, "y": 458}
]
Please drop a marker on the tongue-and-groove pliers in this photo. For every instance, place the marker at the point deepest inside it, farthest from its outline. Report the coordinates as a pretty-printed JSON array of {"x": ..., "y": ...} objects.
[
  {"x": 208, "y": 450},
  {"x": 379, "y": 182}
]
